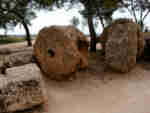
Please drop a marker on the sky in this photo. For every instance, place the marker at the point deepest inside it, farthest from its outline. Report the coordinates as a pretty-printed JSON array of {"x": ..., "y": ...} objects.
[
  {"x": 48, "y": 18},
  {"x": 60, "y": 17}
]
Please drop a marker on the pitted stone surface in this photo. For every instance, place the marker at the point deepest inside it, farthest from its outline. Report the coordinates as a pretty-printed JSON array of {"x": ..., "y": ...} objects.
[
  {"x": 61, "y": 51},
  {"x": 20, "y": 89}
]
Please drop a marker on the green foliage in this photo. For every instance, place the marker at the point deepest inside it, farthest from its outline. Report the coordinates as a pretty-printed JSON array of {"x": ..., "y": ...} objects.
[
  {"x": 100, "y": 8},
  {"x": 42, "y": 3},
  {"x": 110, "y": 4},
  {"x": 14, "y": 12},
  {"x": 138, "y": 9},
  {"x": 7, "y": 40},
  {"x": 75, "y": 21}
]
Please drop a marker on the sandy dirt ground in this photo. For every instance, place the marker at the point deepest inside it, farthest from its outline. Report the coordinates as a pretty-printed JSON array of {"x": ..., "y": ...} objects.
[
  {"x": 98, "y": 90},
  {"x": 15, "y": 45}
]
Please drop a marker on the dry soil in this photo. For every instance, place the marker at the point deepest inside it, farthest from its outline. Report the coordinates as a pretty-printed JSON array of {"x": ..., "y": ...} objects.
[{"x": 97, "y": 90}]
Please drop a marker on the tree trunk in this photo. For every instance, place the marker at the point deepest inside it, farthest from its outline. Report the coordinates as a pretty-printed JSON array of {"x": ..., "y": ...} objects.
[
  {"x": 101, "y": 20},
  {"x": 28, "y": 36},
  {"x": 92, "y": 34},
  {"x": 142, "y": 26}
]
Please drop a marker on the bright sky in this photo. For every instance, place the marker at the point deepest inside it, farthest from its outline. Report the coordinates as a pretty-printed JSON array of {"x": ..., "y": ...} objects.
[
  {"x": 58, "y": 17},
  {"x": 48, "y": 18}
]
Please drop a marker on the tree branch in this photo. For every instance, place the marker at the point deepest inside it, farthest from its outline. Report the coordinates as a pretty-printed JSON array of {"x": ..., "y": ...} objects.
[
  {"x": 146, "y": 15},
  {"x": 134, "y": 14},
  {"x": 130, "y": 11}
]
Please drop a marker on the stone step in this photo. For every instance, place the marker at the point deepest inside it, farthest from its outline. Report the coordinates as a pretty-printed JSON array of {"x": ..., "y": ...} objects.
[
  {"x": 20, "y": 89},
  {"x": 8, "y": 51},
  {"x": 20, "y": 58}
]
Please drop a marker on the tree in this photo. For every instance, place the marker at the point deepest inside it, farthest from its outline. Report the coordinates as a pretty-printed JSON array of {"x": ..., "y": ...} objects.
[
  {"x": 92, "y": 8},
  {"x": 89, "y": 13},
  {"x": 105, "y": 9},
  {"x": 138, "y": 9},
  {"x": 98, "y": 8},
  {"x": 14, "y": 12},
  {"x": 75, "y": 21}
]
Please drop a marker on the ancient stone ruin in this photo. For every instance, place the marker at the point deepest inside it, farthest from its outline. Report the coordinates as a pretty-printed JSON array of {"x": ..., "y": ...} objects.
[
  {"x": 10, "y": 57},
  {"x": 61, "y": 51},
  {"x": 123, "y": 44},
  {"x": 20, "y": 84},
  {"x": 21, "y": 89}
]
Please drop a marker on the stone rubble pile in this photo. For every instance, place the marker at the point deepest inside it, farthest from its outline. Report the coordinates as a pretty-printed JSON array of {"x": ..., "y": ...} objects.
[{"x": 20, "y": 89}]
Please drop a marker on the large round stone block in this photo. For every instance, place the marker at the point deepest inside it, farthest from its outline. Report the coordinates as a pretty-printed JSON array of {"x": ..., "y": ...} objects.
[{"x": 61, "y": 51}]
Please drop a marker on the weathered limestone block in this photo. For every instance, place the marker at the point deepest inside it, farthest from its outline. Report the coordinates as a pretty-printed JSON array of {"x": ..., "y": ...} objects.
[
  {"x": 5, "y": 51},
  {"x": 124, "y": 44},
  {"x": 20, "y": 89},
  {"x": 60, "y": 51},
  {"x": 20, "y": 58},
  {"x": 104, "y": 37},
  {"x": 15, "y": 59},
  {"x": 4, "y": 64},
  {"x": 8, "y": 51}
]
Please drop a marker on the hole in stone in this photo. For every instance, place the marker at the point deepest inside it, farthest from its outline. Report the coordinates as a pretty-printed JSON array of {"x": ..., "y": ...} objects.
[
  {"x": 81, "y": 44},
  {"x": 51, "y": 53}
]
